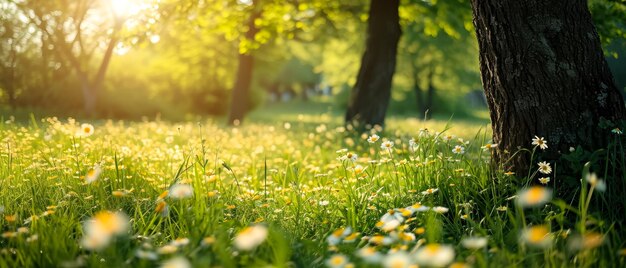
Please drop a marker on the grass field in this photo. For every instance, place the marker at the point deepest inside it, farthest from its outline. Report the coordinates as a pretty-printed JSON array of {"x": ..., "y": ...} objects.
[{"x": 295, "y": 190}]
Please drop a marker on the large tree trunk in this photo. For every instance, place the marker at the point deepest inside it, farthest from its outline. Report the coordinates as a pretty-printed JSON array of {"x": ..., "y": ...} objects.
[
  {"x": 370, "y": 95},
  {"x": 240, "y": 98},
  {"x": 544, "y": 74}
]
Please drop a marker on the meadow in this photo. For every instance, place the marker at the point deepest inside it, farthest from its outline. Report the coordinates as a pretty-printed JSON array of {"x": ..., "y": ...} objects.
[{"x": 298, "y": 190}]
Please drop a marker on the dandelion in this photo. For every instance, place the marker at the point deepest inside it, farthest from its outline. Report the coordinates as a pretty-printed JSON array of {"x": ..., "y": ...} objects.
[
  {"x": 474, "y": 242},
  {"x": 337, "y": 261},
  {"x": 86, "y": 130},
  {"x": 537, "y": 236},
  {"x": 387, "y": 145},
  {"x": 176, "y": 262},
  {"x": 544, "y": 180},
  {"x": 596, "y": 183},
  {"x": 458, "y": 149},
  {"x": 93, "y": 174},
  {"x": 250, "y": 237},
  {"x": 180, "y": 191},
  {"x": 435, "y": 255},
  {"x": 399, "y": 259},
  {"x": 544, "y": 167},
  {"x": 533, "y": 196},
  {"x": 372, "y": 139},
  {"x": 540, "y": 142}
]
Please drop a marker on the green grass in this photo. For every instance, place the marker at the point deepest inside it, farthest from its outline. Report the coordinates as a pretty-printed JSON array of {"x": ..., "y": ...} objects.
[{"x": 284, "y": 172}]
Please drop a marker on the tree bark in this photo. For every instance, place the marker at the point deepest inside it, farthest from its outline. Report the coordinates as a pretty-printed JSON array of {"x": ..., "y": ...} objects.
[
  {"x": 430, "y": 96},
  {"x": 544, "y": 74},
  {"x": 240, "y": 99},
  {"x": 370, "y": 95}
]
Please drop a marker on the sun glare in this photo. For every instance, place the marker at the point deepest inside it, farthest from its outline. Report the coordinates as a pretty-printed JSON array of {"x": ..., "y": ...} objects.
[{"x": 126, "y": 7}]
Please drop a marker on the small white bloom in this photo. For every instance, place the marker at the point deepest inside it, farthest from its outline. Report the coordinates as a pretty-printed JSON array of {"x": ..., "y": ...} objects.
[
  {"x": 250, "y": 237},
  {"x": 180, "y": 191}
]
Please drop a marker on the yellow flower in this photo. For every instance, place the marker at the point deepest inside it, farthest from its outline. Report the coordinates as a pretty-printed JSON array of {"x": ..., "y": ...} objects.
[
  {"x": 534, "y": 196},
  {"x": 538, "y": 236}
]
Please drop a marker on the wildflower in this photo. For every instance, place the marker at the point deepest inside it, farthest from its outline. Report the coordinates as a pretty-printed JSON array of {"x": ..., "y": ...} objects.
[
  {"x": 372, "y": 139},
  {"x": 180, "y": 242},
  {"x": 502, "y": 208},
  {"x": 430, "y": 191},
  {"x": 323, "y": 203},
  {"x": 162, "y": 208},
  {"x": 388, "y": 226},
  {"x": 167, "y": 249},
  {"x": 434, "y": 255},
  {"x": 459, "y": 265},
  {"x": 458, "y": 149},
  {"x": 163, "y": 195},
  {"x": 86, "y": 130},
  {"x": 335, "y": 237},
  {"x": 617, "y": 131},
  {"x": 448, "y": 137},
  {"x": 440, "y": 210},
  {"x": 413, "y": 145},
  {"x": 146, "y": 255},
  {"x": 250, "y": 237},
  {"x": 544, "y": 167},
  {"x": 337, "y": 261},
  {"x": 32, "y": 238},
  {"x": 544, "y": 180},
  {"x": 398, "y": 259},
  {"x": 358, "y": 169},
  {"x": 22, "y": 230},
  {"x": 101, "y": 227},
  {"x": 588, "y": 241},
  {"x": 474, "y": 242},
  {"x": 10, "y": 218},
  {"x": 351, "y": 156},
  {"x": 387, "y": 145},
  {"x": 380, "y": 240},
  {"x": 598, "y": 184},
  {"x": 509, "y": 173},
  {"x": 543, "y": 144},
  {"x": 489, "y": 146},
  {"x": 534, "y": 196},
  {"x": 370, "y": 255},
  {"x": 176, "y": 262},
  {"x": 180, "y": 191},
  {"x": 93, "y": 174},
  {"x": 537, "y": 236},
  {"x": 351, "y": 238}
]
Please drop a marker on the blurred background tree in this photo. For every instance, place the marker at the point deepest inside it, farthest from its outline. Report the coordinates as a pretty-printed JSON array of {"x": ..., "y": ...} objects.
[{"x": 128, "y": 59}]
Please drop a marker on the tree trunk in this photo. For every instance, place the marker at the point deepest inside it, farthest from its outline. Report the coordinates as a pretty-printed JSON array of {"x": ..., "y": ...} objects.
[
  {"x": 240, "y": 98},
  {"x": 430, "y": 95},
  {"x": 370, "y": 95},
  {"x": 544, "y": 74}
]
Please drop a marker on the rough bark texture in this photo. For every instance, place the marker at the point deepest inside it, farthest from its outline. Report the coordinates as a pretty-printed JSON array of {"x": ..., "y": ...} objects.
[
  {"x": 370, "y": 95},
  {"x": 544, "y": 74},
  {"x": 241, "y": 90}
]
